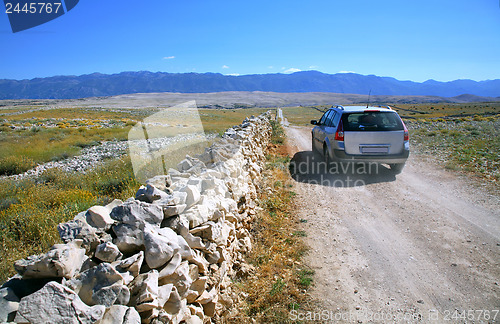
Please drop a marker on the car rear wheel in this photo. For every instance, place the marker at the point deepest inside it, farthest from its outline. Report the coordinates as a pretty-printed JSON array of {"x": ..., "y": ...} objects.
[
  {"x": 327, "y": 156},
  {"x": 397, "y": 168}
]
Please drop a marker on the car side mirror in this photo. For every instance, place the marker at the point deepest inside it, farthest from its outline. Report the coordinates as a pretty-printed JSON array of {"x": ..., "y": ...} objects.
[{"x": 314, "y": 122}]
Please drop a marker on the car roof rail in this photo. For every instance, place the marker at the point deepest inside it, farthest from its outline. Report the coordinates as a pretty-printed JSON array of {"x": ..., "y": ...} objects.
[
  {"x": 339, "y": 107},
  {"x": 385, "y": 106}
]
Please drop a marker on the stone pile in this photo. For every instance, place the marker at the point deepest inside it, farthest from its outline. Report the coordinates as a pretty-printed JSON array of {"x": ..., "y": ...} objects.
[{"x": 166, "y": 256}]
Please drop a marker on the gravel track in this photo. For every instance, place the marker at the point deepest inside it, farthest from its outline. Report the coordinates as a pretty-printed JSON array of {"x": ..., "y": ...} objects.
[{"x": 422, "y": 246}]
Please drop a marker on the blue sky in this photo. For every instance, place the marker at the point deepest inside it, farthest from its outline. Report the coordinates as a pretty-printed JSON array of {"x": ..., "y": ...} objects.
[{"x": 409, "y": 40}]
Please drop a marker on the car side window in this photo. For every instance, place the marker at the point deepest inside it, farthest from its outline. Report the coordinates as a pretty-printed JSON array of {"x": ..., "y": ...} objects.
[
  {"x": 323, "y": 118},
  {"x": 330, "y": 119}
]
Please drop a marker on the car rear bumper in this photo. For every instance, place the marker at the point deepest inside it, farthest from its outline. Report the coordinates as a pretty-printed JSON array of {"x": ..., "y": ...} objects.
[{"x": 341, "y": 156}]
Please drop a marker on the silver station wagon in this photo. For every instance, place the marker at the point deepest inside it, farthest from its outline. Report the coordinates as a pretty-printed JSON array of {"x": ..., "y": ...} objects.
[{"x": 362, "y": 134}]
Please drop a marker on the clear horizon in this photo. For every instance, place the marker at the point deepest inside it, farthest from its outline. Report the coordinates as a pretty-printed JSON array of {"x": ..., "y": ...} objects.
[
  {"x": 340, "y": 72},
  {"x": 417, "y": 41}
]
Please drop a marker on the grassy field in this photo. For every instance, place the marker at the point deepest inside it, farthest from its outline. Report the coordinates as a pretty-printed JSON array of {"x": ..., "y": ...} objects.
[
  {"x": 463, "y": 144},
  {"x": 448, "y": 109},
  {"x": 30, "y": 209}
]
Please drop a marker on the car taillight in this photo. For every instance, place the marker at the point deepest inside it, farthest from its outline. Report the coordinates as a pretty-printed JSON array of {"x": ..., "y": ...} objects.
[
  {"x": 339, "y": 134},
  {"x": 406, "y": 135}
]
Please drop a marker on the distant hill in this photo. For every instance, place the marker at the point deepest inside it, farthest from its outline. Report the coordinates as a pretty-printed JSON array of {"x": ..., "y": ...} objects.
[{"x": 98, "y": 85}]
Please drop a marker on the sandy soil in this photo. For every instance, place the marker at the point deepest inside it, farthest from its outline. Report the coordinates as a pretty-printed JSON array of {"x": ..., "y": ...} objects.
[{"x": 422, "y": 246}]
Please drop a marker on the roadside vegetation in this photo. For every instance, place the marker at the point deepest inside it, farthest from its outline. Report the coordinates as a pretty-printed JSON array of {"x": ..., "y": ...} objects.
[
  {"x": 470, "y": 144},
  {"x": 281, "y": 280},
  {"x": 30, "y": 209},
  {"x": 31, "y": 138}
]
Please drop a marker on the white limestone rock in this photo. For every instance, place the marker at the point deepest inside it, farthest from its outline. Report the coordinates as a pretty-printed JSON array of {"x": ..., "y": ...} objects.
[
  {"x": 129, "y": 238},
  {"x": 55, "y": 303},
  {"x": 169, "y": 211},
  {"x": 194, "y": 242},
  {"x": 193, "y": 195},
  {"x": 197, "y": 215},
  {"x": 79, "y": 229},
  {"x": 63, "y": 260},
  {"x": 129, "y": 268},
  {"x": 169, "y": 269},
  {"x": 108, "y": 252},
  {"x": 119, "y": 314},
  {"x": 144, "y": 292},
  {"x": 180, "y": 279},
  {"x": 100, "y": 285},
  {"x": 150, "y": 193},
  {"x": 197, "y": 288},
  {"x": 174, "y": 304},
  {"x": 210, "y": 231},
  {"x": 162, "y": 182},
  {"x": 160, "y": 246},
  {"x": 137, "y": 213},
  {"x": 98, "y": 217},
  {"x": 200, "y": 261},
  {"x": 9, "y": 304}
]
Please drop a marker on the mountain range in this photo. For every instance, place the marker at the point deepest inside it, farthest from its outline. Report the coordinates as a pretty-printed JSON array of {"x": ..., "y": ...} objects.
[{"x": 98, "y": 85}]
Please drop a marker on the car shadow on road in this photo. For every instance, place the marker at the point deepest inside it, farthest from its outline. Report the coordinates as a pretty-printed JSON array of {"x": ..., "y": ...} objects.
[{"x": 308, "y": 167}]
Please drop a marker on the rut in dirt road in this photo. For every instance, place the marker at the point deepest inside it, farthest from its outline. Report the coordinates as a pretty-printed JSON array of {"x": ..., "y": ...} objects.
[{"x": 422, "y": 246}]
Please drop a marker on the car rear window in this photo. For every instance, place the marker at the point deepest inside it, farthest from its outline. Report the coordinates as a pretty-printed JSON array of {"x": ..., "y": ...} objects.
[{"x": 372, "y": 121}]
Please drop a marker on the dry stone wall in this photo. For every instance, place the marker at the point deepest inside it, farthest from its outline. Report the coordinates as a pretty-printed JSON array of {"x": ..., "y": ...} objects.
[{"x": 166, "y": 256}]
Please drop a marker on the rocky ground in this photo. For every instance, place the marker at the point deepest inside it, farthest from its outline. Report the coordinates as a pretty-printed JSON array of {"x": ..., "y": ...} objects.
[{"x": 90, "y": 157}]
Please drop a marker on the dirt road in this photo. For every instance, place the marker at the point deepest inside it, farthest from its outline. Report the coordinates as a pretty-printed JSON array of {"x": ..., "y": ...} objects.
[{"x": 422, "y": 246}]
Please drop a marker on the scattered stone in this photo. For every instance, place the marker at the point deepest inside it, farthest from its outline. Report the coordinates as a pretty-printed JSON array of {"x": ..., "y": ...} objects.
[
  {"x": 79, "y": 229},
  {"x": 179, "y": 278},
  {"x": 172, "y": 265},
  {"x": 169, "y": 211},
  {"x": 144, "y": 291},
  {"x": 129, "y": 238},
  {"x": 209, "y": 231},
  {"x": 131, "y": 264}
]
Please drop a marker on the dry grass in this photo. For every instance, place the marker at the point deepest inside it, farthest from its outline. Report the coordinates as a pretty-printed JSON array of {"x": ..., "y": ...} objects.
[
  {"x": 281, "y": 280},
  {"x": 43, "y": 145},
  {"x": 31, "y": 209},
  {"x": 218, "y": 120},
  {"x": 435, "y": 110}
]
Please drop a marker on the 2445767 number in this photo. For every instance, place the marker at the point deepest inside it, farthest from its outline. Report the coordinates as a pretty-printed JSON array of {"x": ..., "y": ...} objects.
[
  {"x": 472, "y": 315},
  {"x": 33, "y": 7}
]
